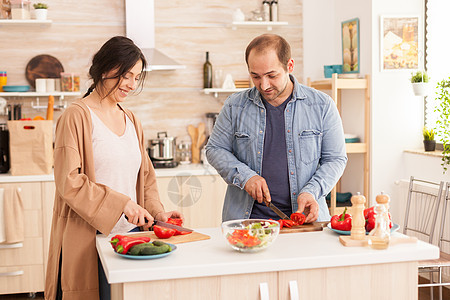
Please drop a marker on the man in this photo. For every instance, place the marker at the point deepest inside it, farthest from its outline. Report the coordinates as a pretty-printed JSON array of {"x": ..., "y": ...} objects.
[{"x": 279, "y": 141}]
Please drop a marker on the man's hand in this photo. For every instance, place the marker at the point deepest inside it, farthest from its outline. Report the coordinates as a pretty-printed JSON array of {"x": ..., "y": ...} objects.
[
  {"x": 309, "y": 206},
  {"x": 257, "y": 187}
]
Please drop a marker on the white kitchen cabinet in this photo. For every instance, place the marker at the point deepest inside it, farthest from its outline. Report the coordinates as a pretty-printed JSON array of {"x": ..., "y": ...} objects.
[
  {"x": 22, "y": 265},
  {"x": 198, "y": 197}
]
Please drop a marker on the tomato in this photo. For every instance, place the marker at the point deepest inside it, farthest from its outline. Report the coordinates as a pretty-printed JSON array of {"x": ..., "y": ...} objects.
[
  {"x": 243, "y": 236},
  {"x": 162, "y": 232},
  {"x": 178, "y": 222},
  {"x": 286, "y": 223},
  {"x": 298, "y": 218}
]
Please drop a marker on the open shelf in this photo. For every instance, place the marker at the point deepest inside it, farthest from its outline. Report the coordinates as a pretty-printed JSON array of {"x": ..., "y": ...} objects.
[
  {"x": 269, "y": 25},
  {"x": 25, "y": 22},
  {"x": 36, "y": 94},
  {"x": 217, "y": 91}
]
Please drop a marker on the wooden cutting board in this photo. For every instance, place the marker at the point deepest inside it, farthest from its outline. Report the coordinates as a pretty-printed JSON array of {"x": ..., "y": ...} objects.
[
  {"x": 315, "y": 226},
  {"x": 177, "y": 239},
  {"x": 43, "y": 66}
]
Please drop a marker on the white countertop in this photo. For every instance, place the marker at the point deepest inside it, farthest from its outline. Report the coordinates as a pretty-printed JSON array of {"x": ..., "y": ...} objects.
[
  {"x": 181, "y": 170},
  {"x": 293, "y": 251}
]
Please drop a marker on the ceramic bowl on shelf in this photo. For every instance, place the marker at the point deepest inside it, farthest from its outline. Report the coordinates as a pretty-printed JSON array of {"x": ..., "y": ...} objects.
[
  {"x": 16, "y": 88},
  {"x": 250, "y": 235}
]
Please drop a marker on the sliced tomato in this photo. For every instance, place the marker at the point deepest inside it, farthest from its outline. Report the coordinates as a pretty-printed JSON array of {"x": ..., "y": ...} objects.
[
  {"x": 175, "y": 221},
  {"x": 298, "y": 218},
  {"x": 162, "y": 232},
  {"x": 286, "y": 223}
]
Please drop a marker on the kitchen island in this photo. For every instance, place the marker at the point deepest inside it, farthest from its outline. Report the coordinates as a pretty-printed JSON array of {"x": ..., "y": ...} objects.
[{"x": 308, "y": 265}]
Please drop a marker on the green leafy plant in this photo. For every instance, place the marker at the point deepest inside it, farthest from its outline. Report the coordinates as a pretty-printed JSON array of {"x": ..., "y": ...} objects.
[
  {"x": 419, "y": 76},
  {"x": 443, "y": 122},
  {"x": 428, "y": 134},
  {"x": 40, "y": 6}
]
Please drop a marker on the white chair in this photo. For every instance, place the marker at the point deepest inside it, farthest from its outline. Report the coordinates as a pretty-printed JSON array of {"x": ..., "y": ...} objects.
[{"x": 422, "y": 208}]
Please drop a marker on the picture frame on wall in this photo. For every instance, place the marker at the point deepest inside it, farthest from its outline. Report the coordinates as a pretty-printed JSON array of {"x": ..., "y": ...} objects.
[
  {"x": 350, "y": 46},
  {"x": 400, "y": 43}
]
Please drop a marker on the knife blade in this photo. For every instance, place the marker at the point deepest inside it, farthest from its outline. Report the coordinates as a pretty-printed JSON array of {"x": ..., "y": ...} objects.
[
  {"x": 276, "y": 210},
  {"x": 171, "y": 226}
]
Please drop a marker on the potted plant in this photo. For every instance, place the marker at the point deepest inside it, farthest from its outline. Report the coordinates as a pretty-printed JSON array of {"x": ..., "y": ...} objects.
[
  {"x": 419, "y": 82},
  {"x": 443, "y": 122},
  {"x": 428, "y": 139},
  {"x": 41, "y": 11}
]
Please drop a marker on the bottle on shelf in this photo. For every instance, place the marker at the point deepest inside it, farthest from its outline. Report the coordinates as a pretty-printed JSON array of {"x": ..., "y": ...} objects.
[
  {"x": 3, "y": 80},
  {"x": 274, "y": 11},
  {"x": 266, "y": 10},
  {"x": 207, "y": 73}
]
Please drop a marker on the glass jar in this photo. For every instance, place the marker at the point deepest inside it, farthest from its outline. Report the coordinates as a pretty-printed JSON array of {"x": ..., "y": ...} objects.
[
  {"x": 380, "y": 235},
  {"x": 184, "y": 152},
  {"x": 20, "y": 10}
]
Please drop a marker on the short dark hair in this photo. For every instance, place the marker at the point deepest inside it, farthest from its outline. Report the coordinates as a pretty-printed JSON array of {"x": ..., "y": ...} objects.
[
  {"x": 118, "y": 53},
  {"x": 270, "y": 41}
]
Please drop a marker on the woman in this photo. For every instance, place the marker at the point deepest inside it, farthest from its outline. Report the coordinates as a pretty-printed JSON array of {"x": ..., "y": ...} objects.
[{"x": 102, "y": 173}]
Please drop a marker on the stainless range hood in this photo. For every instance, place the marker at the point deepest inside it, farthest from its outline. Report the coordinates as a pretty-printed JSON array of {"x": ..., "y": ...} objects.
[{"x": 140, "y": 27}]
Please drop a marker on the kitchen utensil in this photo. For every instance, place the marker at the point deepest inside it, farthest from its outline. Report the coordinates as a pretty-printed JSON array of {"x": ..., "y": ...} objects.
[
  {"x": 43, "y": 66},
  {"x": 17, "y": 111},
  {"x": 163, "y": 147},
  {"x": 176, "y": 239},
  {"x": 276, "y": 210},
  {"x": 171, "y": 226},
  {"x": 193, "y": 133},
  {"x": 16, "y": 88},
  {"x": 250, "y": 235},
  {"x": 4, "y": 149}
]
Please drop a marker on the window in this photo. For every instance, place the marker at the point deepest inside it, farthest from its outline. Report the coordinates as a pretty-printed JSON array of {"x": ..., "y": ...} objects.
[{"x": 437, "y": 52}]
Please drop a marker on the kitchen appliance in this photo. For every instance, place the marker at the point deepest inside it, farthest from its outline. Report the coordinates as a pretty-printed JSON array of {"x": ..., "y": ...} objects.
[
  {"x": 210, "y": 121},
  {"x": 4, "y": 149},
  {"x": 162, "y": 151}
]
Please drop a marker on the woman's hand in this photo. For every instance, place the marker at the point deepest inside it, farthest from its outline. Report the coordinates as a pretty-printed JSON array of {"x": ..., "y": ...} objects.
[
  {"x": 164, "y": 216},
  {"x": 137, "y": 215}
]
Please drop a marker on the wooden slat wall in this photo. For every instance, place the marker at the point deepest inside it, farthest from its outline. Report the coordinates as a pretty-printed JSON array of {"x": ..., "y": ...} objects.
[{"x": 185, "y": 30}]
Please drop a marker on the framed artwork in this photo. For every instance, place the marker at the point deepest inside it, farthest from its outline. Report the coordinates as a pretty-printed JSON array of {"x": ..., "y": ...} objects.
[
  {"x": 399, "y": 42},
  {"x": 350, "y": 46}
]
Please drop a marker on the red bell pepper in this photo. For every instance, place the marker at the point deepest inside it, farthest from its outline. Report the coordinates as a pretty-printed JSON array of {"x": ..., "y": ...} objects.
[
  {"x": 370, "y": 216},
  {"x": 342, "y": 222},
  {"x": 298, "y": 218},
  {"x": 163, "y": 232},
  {"x": 122, "y": 243}
]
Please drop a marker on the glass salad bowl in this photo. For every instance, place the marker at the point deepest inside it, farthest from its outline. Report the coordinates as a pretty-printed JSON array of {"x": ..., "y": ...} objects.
[{"x": 250, "y": 235}]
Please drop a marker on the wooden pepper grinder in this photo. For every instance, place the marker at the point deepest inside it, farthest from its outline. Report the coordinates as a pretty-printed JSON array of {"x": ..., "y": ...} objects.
[
  {"x": 358, "y": 231},
  {"x": 384, "y": 199}
]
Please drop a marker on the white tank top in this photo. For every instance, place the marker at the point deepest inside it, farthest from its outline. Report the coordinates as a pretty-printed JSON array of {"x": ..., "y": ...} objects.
[{"x": 117, "y": 160}]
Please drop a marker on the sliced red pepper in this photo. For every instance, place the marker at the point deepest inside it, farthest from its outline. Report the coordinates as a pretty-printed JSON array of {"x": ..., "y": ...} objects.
[
  {"x": 342, "y": 222},
  {"x": 126, "y": 242},
  {"x": 163, "y": 232},
  {"x": 298, "y": 218}
]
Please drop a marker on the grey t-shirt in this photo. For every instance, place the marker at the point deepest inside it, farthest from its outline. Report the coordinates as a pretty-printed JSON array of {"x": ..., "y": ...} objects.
[{"x": 274, "y": 164}]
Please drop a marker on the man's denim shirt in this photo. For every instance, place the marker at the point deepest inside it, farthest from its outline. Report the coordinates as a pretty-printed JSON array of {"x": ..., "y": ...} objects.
[{"x": 314, "y": 140}]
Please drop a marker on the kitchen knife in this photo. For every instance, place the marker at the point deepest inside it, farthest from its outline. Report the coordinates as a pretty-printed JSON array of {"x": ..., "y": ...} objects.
[
  {"x": 167, "y": 225},
  {"x": 171, "y": 226},
  {"x": 276, "y": 210}
]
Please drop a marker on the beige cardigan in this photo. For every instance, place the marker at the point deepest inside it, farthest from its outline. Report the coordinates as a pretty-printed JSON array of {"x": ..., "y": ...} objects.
[{"x": 83, "y": 206}]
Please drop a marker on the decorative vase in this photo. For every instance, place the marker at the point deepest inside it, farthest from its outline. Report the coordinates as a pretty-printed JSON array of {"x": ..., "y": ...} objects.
[
  {"x": 41, "y": 13},
  {"x": 429, "y": 145},
  {"x": 420, "y": 88}
]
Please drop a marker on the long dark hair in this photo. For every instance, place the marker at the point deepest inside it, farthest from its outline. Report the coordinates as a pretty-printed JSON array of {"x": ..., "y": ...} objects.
[{"x": 118, "y": 53}]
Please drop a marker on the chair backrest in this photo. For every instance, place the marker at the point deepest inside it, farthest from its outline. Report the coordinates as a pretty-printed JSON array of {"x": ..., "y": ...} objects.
[
  {"x": 422, "y": 208},
  {"x": 444, "y": 235}
]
